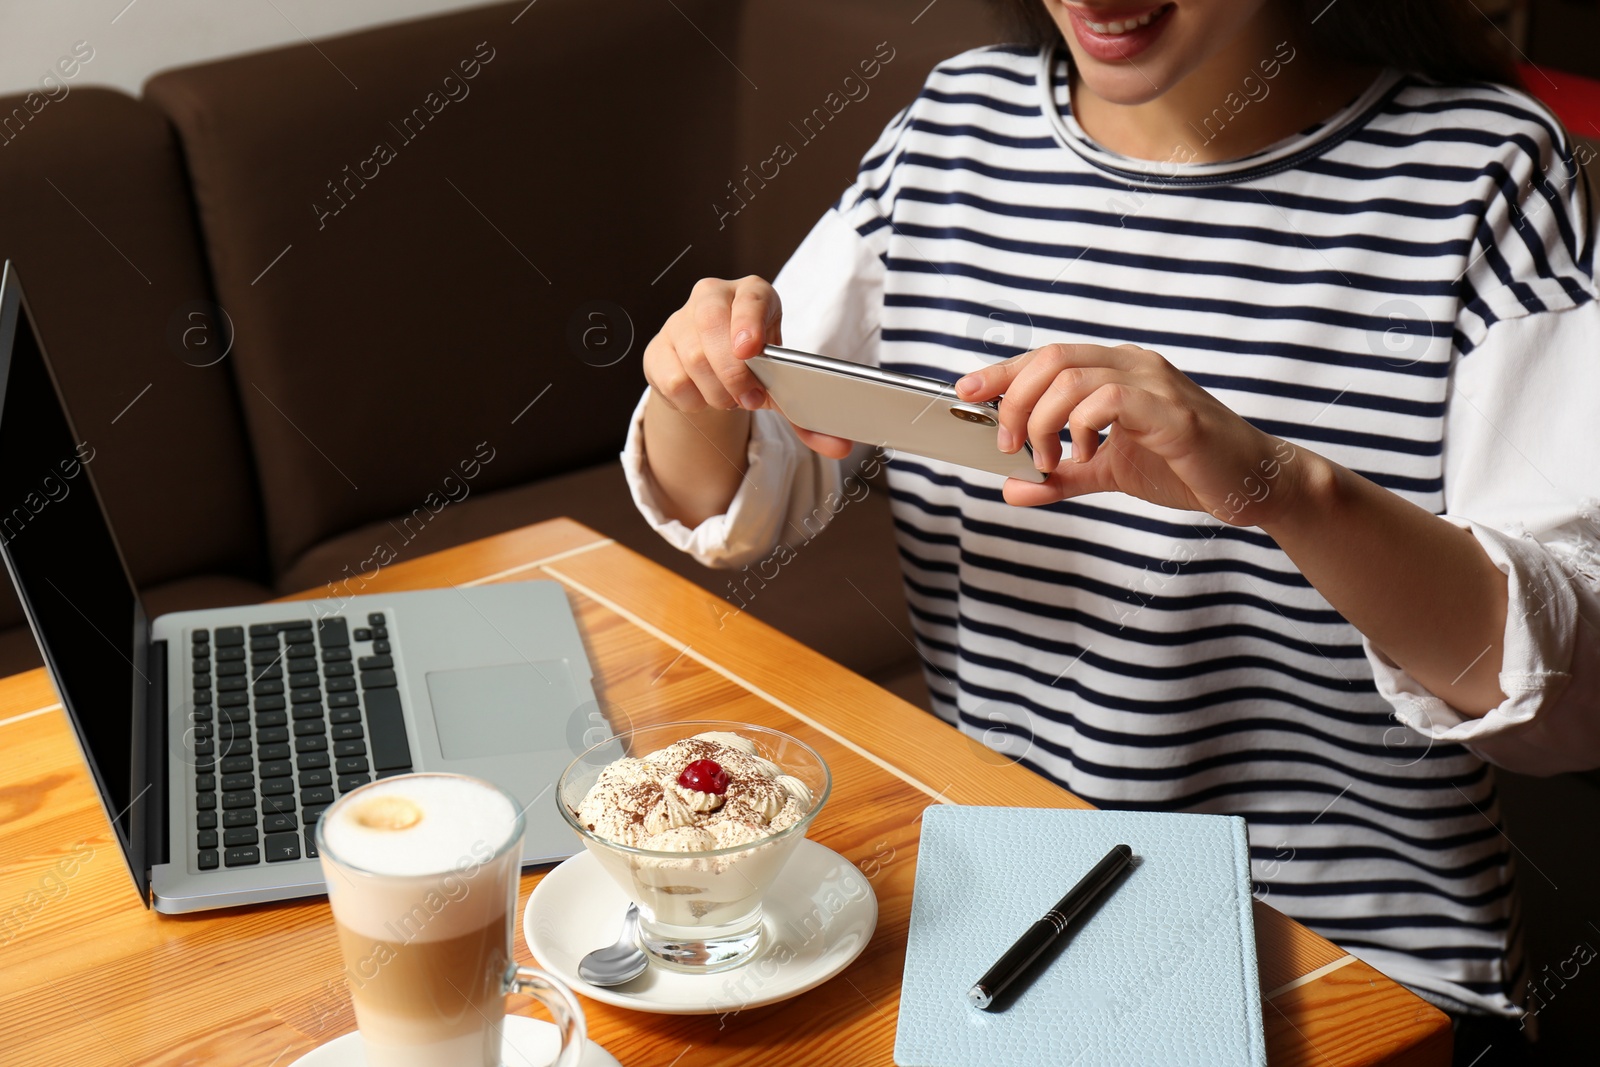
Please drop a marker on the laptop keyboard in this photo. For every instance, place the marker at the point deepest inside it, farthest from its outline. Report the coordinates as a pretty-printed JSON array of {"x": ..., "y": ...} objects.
[{"x": 279, "y": 732}]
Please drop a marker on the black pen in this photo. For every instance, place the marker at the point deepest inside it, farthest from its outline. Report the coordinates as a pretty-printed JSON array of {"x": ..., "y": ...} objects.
[{"x": 1042, "y": 934}]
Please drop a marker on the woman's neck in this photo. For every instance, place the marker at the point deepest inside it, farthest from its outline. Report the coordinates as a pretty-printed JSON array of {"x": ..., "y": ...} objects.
[{"x": 1265, "y": 85}]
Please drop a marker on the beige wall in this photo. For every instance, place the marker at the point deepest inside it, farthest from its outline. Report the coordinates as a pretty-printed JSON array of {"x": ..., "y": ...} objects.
[{"x": 129, "y": 42}]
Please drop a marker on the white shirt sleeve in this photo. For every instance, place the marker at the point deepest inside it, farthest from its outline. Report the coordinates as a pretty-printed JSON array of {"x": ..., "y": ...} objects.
[
  {"x": 1522, "y": 473},
  {"x": 832, "y": 290}
]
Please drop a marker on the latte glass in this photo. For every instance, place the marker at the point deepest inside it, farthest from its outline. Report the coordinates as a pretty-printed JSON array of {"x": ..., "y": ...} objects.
[
  {"x": 699, "y": 912},
  {"x": 422, "y": 873}
]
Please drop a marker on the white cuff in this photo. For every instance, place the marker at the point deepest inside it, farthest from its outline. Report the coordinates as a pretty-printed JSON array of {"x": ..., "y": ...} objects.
[
  {"x": 751, "y": 527},
  {"x": 1544, "y": 726}
]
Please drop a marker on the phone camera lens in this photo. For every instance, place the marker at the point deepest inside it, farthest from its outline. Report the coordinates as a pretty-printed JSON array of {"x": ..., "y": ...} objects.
[{"x": 982, "y": 418}]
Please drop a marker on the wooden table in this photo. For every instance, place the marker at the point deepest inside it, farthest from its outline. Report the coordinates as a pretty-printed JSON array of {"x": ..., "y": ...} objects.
[{"x": 88, "y": 976}]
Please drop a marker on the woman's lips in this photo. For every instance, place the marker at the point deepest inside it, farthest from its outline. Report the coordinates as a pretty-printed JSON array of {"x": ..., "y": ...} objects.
[{"x": 1117, "y": 35}]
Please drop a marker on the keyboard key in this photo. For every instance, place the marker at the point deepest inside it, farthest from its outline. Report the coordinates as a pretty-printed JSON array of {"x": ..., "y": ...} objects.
[
  {"x": 304, "y": 681},
  {"x": 271, "y": 753},
  {"x": 201, "y": 665},
  {"x": 200, "y": 713},
  {"x": 380, "y": 633},
  {"x": 202, "y": 729},
  {"x": 205, "y": 783},
  {"x": 278, "y": 768},
  {"x": 271, "y": 718},
  {"x": 297, "y": 637},
  {"x": 305, "y": 696},
  {"x": 204, "y": 746},
  {"x": 313, "y": 743},
  {"x": 312, "y": 813},
  {"x": 239, "y": 714},
  {"x": 235, "y": 746},
  {"x": 381, "y": 679},
  {"x": 272, "y": 735},
  {"x": 244, "y": 798},
  {"x": 334, "y": 632},
  {"x": 271, "y": 703},
  {"x": 363, "y": 634},
  {"x": 207, "y": 859},
  {"x": 395, "y": 771},
  {"x": 206, "y": 820},
  {"x": 227, "y": 636},
  {"x": 346, "y": 731},
  {"x": 236, "y": 699},
  {"x": 239, "y": 817},
  {"x": 200, "y": 637},
  {"x": 310, "y": 726},
  {"x": 277, "y": 805},
  {"x": 342, "y": 685},
  {"x": 309, "y": 760},
  {"x": 338, "y": 715},
  {"x": 233, "y": 783},
  {"x": 320, "y": 776},
  {"x": 351, "y": 781},
  {"x": 205, "y": 764},
  {"x": 308, "y": 711},
  {"x": 375, "y": 663},
  {"x": 277, "y": 787},
  {"x": 268, "y": 688},
  {"x": 205, "y": 839},
  {"x": 349, "y": 748},
  {"x": 339, "y": 670},
  {"x": 343, "y": 700},
  {"x": 386, "y": 730},
  {"x": 260, "y": 628},
  {"x": 232, "y": 764},
  {"x": 263, "y": 644},
  {"x": 311, "y": 844},
  {"x": 205, "y": 801},
  {"x": 229, "y": 668},
  {"x": 223, "y": 655},
  {"x": 266, "y": 671},
  {"x": 351, "y": 765},
  {"x": 280, "y": 847},
  {"x": 336, "y": 655},
  {"x": 277, "y": 824},
  {"x": 375, "y": 618},
  {"x": 316, "y": 795},
  {"x": 245, "y": 835},
  {"x": 381, "y": 647},
  {"x": 241, "y": 857},
  {"x": 231, "y": 685},
  {"x": 202, "y": 696}
]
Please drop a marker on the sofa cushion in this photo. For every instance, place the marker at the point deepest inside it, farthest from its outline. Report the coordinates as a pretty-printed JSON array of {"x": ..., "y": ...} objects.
[
  {"x": 811, "y": 598},
  {"x": 412, "y": 265},
  {"x": 820, "y": 105},
  {"x": 98, "y": 223}
]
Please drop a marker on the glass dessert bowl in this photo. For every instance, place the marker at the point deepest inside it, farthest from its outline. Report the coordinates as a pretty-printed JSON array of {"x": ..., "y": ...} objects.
[{"x": 695, "y": 821}]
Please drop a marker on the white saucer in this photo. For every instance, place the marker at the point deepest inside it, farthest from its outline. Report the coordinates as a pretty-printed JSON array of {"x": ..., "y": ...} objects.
[
  {"x": 533, "y": 1041},
  {"x": 819, "y": 917}
]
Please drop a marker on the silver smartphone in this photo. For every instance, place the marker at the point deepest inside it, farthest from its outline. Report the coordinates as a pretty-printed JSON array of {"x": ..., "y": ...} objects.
[{"x": 902, "y": 412}]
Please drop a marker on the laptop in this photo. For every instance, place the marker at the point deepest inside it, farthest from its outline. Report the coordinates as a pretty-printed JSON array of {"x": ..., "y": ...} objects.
[{"x": 216, "y": 738}]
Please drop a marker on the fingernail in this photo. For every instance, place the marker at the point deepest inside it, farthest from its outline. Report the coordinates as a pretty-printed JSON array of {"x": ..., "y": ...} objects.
[
  {"x": 752, "y": 400},
  {"x": 1039, "y": 463},
  {"x": 740, "y": 338},
  {"x": 967, "y": 385},
  {"x": 1005, "y": 440}
]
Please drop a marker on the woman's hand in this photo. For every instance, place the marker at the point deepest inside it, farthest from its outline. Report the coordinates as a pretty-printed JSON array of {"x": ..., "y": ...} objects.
[
  {"x": 697, "y": 360},
  {"x": 1169, "y": 441}
]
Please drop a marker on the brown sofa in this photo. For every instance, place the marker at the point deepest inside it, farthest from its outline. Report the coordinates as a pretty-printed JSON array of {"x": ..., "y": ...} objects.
[{"x": 432, "y": 254}]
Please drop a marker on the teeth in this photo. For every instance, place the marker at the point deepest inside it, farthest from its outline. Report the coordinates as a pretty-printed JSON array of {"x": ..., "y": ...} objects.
[{"x": 1112, "y": 29}]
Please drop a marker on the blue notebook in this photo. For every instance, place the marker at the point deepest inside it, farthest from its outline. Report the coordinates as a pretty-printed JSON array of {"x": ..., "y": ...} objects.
[{"x": 1163, "y": 971}]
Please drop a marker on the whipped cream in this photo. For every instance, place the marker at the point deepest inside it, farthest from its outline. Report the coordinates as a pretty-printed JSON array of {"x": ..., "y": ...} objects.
[{"x": 638, "y": 801}]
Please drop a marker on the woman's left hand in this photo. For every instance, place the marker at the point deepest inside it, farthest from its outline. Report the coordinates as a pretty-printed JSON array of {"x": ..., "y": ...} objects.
[{"x": 1169, "y": 442}]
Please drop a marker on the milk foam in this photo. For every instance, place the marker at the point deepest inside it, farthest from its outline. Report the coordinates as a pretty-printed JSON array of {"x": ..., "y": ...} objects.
[
  {"x": 457, "y": 813},
  {"x": 431, "y": 880}
]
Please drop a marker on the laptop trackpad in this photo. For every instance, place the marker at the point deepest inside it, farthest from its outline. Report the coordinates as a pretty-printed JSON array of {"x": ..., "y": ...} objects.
[{"x": 500, "y": 711}]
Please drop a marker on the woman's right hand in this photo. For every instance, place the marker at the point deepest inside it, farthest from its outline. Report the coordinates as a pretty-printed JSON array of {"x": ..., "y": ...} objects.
[{"x": 697, "y": 360}]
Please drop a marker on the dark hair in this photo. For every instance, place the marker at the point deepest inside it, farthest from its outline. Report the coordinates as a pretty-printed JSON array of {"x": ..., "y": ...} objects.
[{"x": 1447, "y": 40}]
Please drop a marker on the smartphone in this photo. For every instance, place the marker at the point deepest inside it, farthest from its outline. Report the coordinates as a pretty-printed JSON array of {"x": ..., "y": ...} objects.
[{"x": 901, "y": 412}]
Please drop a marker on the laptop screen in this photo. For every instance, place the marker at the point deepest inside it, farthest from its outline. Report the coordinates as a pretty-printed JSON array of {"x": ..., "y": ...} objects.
[{"x": 66, "y": 566}]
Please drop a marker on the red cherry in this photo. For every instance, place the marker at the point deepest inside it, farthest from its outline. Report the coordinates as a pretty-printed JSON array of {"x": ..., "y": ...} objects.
[{"x": 704, "y": 776}]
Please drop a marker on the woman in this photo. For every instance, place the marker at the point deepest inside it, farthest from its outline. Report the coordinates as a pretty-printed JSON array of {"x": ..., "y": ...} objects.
[{"x": 1327, "y": 291}]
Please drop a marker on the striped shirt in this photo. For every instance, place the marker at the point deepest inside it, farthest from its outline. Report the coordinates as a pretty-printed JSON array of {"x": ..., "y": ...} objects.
[{"x": 1406, "y": 288}]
